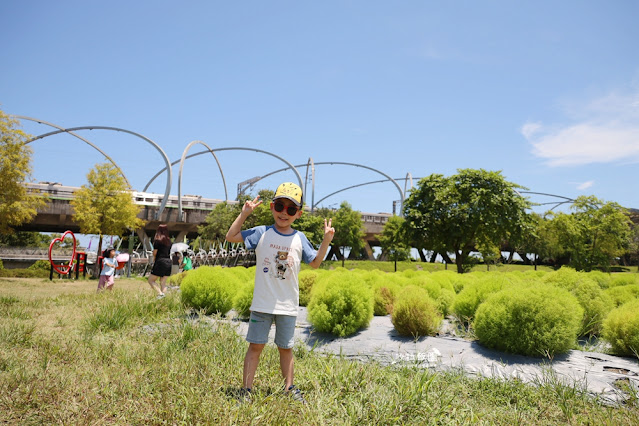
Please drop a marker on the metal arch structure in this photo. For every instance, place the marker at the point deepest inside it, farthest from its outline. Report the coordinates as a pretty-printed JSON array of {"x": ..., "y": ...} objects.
[
  {"x": 401, "y": 194},
  {"x": 312, "y": 166},
  {"x": 408, "y": 178},
  {"x": 357, "y": 186},
  {"x": 186, "y": 150},
  {"x": 290, "y": 166},
  {"x": 167, "y": 191},
  {"x": 22, "y": 117},
  {"x": 556, "y": 203},
  {"x": 388, "y": 178}
]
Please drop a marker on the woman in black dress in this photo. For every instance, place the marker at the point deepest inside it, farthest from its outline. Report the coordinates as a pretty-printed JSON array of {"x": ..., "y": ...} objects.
[{"x": 162, "y": 259}]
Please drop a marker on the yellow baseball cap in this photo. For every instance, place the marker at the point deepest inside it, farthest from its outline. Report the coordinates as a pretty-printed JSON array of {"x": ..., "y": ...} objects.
[{"x": 289, "y": 191}]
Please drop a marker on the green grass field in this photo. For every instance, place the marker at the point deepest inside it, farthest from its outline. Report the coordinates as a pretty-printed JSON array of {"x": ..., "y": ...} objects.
[{"x": 69, "y": 355}]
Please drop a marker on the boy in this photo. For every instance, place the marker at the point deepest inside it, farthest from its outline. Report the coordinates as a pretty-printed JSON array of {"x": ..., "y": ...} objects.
[{"x": 279, "y": 250}]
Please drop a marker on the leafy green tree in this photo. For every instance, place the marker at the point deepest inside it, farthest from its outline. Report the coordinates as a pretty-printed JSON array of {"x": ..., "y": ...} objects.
[
  {"x": 219, "y": 220},
  {"x": 26, "y": 239},
  {"x": 394, "y": 240},
  {"x": 458, "y": 213},
  {"x": 349, "y": 229},
  {"x": 104, "y": 205},
  {"x": 312, "y": 225},
  {"x": 17, "y": 205},
  {"x": 594, "y": 234}
]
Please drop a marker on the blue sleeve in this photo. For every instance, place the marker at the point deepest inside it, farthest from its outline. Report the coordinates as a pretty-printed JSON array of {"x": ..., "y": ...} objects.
[
  {"x": 308, "y": 252},
  {"x": 252, "y": 236}
]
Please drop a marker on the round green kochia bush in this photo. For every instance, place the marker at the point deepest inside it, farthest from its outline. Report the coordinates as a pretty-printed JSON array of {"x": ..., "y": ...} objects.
[
  {"x": 307, "y": 279},
  {"x": 243, "y": 299},
  {"x": 529, "y": 320},
  {"x": 473, "y": 294},
  {"x": 591, "y": 297},
  {"x": 340, "y": 304},
  {"x": 624, "y": 279},
  {"x": 445, "y": 301},
  {"x": 176, "y": 279},
  {"x": 622, "y": 294},
  {"x": 415, "y": 314},
  {"x": 384, "y": 297},
  {"x": 210, "y": 288},
  {"x": 601, "y": 278},
  {"x": 621, "y": 329}
]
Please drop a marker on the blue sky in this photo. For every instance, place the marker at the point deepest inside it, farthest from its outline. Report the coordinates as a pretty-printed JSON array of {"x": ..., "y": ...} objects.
[{"x": 545, "y": 91}]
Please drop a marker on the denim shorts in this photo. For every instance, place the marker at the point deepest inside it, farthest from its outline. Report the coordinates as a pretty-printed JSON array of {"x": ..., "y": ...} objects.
[{"x": 260, "y": 326}]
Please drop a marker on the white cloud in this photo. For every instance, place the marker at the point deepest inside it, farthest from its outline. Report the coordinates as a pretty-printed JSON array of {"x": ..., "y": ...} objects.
[
  {"x": 606, "y": 131},
  {"x": 585, "y": 185}
]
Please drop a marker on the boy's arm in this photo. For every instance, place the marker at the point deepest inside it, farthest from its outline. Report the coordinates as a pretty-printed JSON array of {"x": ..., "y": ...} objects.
[
  {"x": 329, "y": 232},
  {"x": 234, "y": 234}
]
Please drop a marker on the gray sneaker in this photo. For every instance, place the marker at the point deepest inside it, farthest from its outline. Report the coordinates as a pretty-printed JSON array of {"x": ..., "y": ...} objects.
[{"x": 296, "y": 394}]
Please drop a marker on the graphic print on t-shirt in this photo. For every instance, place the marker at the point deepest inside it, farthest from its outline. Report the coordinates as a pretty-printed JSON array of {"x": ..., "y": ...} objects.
[{"x": 281, "y": 264}]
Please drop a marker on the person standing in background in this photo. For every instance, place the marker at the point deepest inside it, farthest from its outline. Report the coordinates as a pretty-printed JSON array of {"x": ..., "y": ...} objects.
[
  {"x": 161, "y": 260},
  {"x": 108, "y": 270}
]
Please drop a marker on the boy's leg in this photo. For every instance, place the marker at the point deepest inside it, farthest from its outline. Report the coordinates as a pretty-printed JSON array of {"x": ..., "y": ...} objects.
[
  {"x": 257, "y": 336},
  {"x": 285, "y": 339},
  {"x": 286, "y": 364},
  {"x": 251, "y": 360}
]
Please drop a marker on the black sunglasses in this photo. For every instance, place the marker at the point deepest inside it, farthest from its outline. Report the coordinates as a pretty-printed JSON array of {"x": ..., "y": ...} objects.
[{"x": 290, "y": 210}]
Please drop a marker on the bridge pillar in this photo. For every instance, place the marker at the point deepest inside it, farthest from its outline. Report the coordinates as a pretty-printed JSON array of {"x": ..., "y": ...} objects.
[
  {"x": 146, "y": 243},
  {"x": 369, "y": 250},
  {"x": 180, "y": 237}
]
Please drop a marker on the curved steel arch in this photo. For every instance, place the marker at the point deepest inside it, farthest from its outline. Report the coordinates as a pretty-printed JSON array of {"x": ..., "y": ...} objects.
[
  {"x": 556, "y": 204},
  {"x": 312, "y": 164},
  {"x": 408, "y": 176},
  {"x": 226, "y": 195},
  {"x": 22, "y": 117},
  {"x": 117, "y": 129},
  {"x": 290, "y": 166},
  {"x": 357, "y": 186},
  {"x": 388, "y": 178}
]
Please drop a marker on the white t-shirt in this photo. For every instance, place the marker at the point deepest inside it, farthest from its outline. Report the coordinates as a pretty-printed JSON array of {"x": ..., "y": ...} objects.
[{"x": 278, "y": 258}]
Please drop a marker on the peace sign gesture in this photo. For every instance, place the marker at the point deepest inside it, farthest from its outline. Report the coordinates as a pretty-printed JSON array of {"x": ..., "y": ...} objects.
[
  {"x": 329, "y": 231},
  {"x": 249, "y": 205}
]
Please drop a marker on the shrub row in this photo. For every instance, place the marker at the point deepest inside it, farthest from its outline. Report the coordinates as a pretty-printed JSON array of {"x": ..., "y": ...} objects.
[{"x": 531, "y": 313}]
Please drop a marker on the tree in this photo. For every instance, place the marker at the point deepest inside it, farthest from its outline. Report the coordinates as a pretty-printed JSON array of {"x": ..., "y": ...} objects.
[
  {"x": 458, "y": 213},
  {"x": 220, "y": 219},
  {"x": 593, "y": 235},
  {"x": 312, "y": 225},
  {"x": 104, "y": 206},
  {"x": 17, "y": 206},
  {"x": 394, "y": 240},
  {"x": 28, "y": 239},
  {"x": 349, "y": 229}
]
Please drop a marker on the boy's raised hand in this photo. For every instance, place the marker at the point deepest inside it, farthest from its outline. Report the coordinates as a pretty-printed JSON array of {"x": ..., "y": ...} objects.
[
  {"x": 249, "y": 205},
  {"x": 329, "y": 231}
]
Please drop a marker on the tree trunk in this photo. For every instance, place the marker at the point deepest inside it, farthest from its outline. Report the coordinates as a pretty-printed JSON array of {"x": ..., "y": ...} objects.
[
  {"x": 445, "y": 257},
  {"x": 97, "y": 258},
  {"x": 459, "y": 261},
  {"x": 422, "y": 256},
  {"x": 525, "y": 258}
]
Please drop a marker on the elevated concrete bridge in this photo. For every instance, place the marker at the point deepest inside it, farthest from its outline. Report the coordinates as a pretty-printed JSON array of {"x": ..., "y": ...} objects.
[{"x": 57, "y": 214}]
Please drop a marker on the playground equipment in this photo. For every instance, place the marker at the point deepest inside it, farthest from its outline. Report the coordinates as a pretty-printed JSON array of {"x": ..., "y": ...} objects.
[{"x": 78, "y": 257}]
